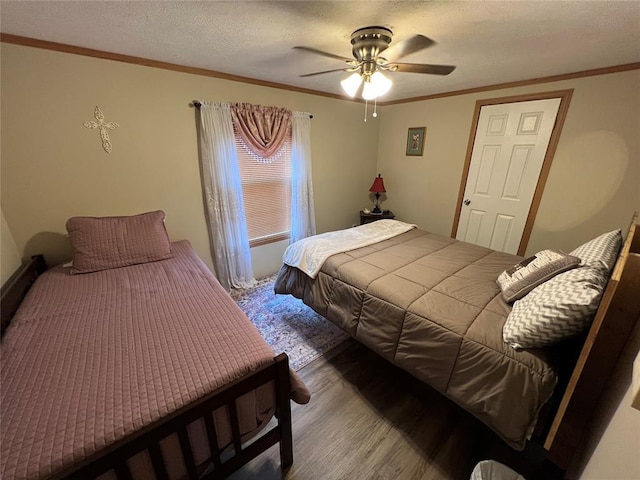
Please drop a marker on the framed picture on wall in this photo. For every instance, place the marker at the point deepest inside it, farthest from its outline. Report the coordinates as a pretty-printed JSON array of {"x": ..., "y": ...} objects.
[{"x": 415, "y": 141}]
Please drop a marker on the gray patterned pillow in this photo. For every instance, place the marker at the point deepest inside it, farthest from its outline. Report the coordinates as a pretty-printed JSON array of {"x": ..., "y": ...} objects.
[
  {"x": 558, "y": 309},
  {"x": 524, "y": 276},
  {"x": 601, "y": 252},
  {"x": 564, "y": 306}
]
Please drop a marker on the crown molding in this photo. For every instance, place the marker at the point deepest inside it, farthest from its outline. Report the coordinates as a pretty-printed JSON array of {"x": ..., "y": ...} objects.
[
  {"x": 521, "y": 83},
  {"x": 89, "y": 52},
  {"x": 118, "y": 57}
]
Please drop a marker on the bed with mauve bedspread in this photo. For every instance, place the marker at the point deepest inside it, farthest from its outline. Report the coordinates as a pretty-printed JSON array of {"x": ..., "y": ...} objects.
[{"x": 89, "y": 359}]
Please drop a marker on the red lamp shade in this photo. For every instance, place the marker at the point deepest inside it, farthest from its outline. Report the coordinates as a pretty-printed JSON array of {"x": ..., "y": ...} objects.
[
  {"x": 377, "y": 188},
  {"x": 378, "y": 185}
]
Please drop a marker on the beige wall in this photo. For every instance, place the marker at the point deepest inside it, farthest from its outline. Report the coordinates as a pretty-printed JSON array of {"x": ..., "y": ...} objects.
[
  {"x": 611, "y": 446},
  {"x": 594, "y": 182},
  {"x": 54, "y": 168},
  {"x": 9, "y": 256}
]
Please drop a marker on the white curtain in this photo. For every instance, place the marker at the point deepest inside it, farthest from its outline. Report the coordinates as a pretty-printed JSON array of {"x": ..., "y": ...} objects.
[
  {"x": 223, "y": 191},
  {"x": 303, "y": 223}
]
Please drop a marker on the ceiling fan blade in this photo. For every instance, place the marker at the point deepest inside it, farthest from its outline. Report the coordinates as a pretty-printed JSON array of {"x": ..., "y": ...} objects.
[
  {"x": 423, "y": 68},
  {"x": 324, "y": 54},
  {"x": 405, "y": 47},
  {"x": 326, "y": 71}
]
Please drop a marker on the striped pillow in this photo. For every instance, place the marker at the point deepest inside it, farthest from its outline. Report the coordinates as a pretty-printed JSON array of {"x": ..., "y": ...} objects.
[
  {"x": 565, "y": 305},
  {"x": 558, "y": 309},
  {"x": 600, "y": 253}
]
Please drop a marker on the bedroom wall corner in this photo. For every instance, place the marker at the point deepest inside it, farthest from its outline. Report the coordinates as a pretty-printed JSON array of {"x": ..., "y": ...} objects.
[{"x": 10, "y": 256}]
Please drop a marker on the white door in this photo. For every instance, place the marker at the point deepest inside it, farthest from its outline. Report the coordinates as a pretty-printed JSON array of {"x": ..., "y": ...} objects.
[{"x": 508, "y": 152}]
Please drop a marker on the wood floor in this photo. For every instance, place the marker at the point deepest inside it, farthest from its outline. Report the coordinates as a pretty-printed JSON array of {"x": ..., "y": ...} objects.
[{"x": 370, "y": 420}]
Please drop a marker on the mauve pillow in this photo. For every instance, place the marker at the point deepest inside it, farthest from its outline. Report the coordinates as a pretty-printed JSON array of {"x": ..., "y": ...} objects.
[{"x": 101, "y": 243}]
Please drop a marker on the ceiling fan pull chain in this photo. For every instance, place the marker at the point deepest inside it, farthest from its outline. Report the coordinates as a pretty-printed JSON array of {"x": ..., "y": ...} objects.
[
  {"x": 375, "y": 106},
  {"x": 366, "y": 102}
]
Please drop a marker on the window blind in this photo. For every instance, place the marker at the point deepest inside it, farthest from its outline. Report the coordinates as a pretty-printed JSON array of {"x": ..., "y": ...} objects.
[{"x": 266, "y": 191}]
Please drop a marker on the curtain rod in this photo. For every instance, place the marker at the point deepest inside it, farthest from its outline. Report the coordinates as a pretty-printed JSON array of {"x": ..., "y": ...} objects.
[{"x": 197, "y": 104}]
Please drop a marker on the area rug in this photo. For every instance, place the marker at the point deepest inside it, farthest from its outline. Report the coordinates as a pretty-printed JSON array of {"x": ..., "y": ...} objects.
[{"x": 287, "y": 324}]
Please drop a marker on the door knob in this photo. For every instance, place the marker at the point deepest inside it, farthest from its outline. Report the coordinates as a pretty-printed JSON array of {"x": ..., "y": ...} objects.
[{"x": 467, "y": 202}]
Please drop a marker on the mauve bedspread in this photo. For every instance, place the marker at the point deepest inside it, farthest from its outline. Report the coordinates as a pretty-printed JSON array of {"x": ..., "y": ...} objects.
[
  {"x": 91, "y": 358},
  {"x": 430, "y": 305}
]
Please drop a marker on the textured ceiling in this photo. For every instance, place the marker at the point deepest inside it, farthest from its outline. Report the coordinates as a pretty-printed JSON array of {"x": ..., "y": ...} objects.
[{"x": 489, "y": 41}]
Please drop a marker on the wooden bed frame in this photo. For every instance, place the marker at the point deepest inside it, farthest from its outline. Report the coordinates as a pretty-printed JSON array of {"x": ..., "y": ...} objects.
[
  {"x": 115, "y": 456},
  {"x": 614, "y": 321}
]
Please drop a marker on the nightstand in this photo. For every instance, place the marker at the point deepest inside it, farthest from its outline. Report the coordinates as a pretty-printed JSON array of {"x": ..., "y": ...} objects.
[{"x": 372, "y": 217}]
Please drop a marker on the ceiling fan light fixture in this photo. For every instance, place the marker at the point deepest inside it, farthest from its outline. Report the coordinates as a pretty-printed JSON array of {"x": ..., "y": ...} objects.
[
  {"x": 351, "y": 84},
  {"x": 369, "y": 44},
  {"x": 376, "y": 86}
]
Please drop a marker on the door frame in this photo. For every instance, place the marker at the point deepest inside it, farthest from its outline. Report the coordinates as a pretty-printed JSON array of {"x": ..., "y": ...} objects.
[{"x": 565, "y": 100}]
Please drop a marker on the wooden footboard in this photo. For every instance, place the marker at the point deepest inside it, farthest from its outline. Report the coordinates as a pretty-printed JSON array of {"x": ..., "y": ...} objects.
[
  {"x": 116, "y": 457},
  {"x": 613, "y": 323}
]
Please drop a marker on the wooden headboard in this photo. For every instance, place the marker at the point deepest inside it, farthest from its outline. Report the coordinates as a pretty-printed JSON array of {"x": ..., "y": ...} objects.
[
  {"x": 15, "y": 289},
  {"x": 613, "y": 323}
]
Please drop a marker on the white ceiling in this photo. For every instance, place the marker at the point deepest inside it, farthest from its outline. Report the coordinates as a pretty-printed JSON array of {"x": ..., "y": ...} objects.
[{"x": 490, "y": 41}]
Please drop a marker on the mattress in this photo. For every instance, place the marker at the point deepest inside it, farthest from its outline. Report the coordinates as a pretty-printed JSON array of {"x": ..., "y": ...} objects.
[
  {"x": 89, "y": 359},
  {"x": 430, "y": 305}
]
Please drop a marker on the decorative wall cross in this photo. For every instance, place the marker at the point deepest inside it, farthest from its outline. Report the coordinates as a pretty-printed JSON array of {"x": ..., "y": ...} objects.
[{"x": 100, "y": 124}]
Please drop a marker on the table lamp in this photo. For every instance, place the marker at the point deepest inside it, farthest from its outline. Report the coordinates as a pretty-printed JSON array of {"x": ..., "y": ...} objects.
[{"x": 377, "y": 188}]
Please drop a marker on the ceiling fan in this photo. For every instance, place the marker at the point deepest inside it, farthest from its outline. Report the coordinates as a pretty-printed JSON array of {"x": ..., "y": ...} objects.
[{"x": 368, "y": 45}]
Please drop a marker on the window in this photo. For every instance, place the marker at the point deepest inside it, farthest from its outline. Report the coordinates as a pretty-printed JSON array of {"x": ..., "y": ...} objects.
[{"x": 266, "y": 191}]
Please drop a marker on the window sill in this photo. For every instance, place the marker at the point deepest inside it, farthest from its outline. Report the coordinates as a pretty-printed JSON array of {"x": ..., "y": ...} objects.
[{"x": 278, "y": 237}]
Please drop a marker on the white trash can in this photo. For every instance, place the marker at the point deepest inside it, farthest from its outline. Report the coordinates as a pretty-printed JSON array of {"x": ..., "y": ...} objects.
[{"x": 492, "y": 470}]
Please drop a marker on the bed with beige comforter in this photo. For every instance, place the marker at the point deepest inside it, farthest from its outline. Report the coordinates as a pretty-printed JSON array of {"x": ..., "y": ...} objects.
[{"x": 430, "y": 305}]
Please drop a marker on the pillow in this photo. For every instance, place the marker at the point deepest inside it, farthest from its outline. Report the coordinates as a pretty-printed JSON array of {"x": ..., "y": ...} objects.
[
  {"x": 564, "y": 305},
  {"x": 558, "y": 309},
  {"x": 112, "y": 242},
  {"x": 601, "y": 253},
  {"x": 524, "y": 276}
]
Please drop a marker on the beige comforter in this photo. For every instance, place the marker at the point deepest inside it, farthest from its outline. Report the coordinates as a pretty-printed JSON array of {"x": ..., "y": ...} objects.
[{"x": 430, "y": 305}]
